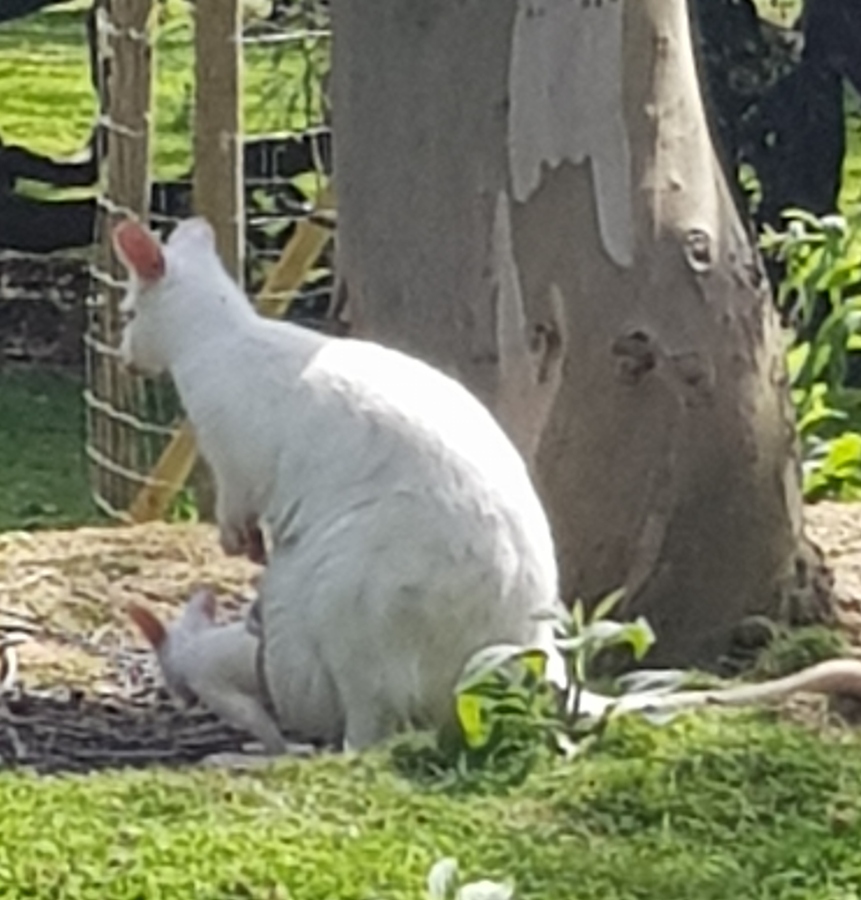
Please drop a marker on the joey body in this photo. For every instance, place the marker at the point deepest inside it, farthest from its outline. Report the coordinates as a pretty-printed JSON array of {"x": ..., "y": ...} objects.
[
  {"x": 405, "y": 533},
  {"x": 215, "y": 664}
]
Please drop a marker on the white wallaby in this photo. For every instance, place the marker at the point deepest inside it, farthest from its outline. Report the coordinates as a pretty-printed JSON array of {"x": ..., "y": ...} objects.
[
  {"x": 215, "y": 664},
  {"x": 405, "y": 531}
]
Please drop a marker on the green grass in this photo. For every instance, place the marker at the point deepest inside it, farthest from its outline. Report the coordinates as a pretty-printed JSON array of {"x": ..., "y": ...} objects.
[
  {"x": 42, "y": 471},
  {"x": 48, "y": 105},
  {"x": 850, "y": 193},
  {"x": 697, "y": 810}
]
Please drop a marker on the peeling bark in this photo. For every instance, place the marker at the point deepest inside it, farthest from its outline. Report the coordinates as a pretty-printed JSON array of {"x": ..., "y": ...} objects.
[{"x": 529, "y": 199}]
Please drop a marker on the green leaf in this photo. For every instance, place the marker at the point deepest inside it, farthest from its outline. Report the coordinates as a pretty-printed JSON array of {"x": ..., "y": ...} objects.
[
  {"x": 534, "y": 661},
  {"x": 640, "y": 637},
  {"x": 846, "y": 449},
  {"x": 605, "y": 631},
  {"x": 578, "y": 616},
  {"x": 571, "y": 645},
  {"x": 489, "y": 660},
  {"x": 657, "y": 681},
  {"x": 474, "y": 725},
  {"x": 796, "y": 358},
  {"x": 796, "y": 214},
  {"x": 606, "y": 605}
]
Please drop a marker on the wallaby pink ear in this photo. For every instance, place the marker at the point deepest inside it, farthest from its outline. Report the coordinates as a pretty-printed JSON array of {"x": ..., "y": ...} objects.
[
  {"x": 139, "y": 249},
  {"x": 149, "y": 624}
]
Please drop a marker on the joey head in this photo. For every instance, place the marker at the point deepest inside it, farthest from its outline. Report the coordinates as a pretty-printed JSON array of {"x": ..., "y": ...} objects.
[{"x": 214, "y": 664}]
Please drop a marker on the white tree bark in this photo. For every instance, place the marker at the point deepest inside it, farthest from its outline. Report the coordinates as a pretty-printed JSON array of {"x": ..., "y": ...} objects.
[{"x": 529, "y": 198}]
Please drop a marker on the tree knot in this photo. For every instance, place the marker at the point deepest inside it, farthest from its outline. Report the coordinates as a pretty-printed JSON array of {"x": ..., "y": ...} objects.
[
  {"x": 636, "y": 356},
  {"x": 698, "y": 250}
]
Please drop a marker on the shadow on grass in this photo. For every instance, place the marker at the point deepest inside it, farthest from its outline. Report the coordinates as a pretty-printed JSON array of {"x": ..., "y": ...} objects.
[{"x": 43, "y": 476}]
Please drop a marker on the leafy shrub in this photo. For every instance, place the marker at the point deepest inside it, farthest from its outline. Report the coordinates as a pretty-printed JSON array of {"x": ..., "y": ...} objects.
[
  {"x": 507, "y": 707},
  {"x": 822, "y": 264},
  {"x": 509, "y": 712}
]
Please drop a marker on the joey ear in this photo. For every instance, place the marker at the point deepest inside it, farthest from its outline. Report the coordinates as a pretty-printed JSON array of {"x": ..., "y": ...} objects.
[
  {"x": 193, "y": 232},
  {"x": 139, "y": 250},
  {"x": 203, "y": 602},
  {"x": 149, "y": 624}
]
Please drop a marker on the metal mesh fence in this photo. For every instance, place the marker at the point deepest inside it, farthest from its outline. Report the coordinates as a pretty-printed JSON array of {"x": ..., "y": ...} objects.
[{"x": 149, "y": 172}]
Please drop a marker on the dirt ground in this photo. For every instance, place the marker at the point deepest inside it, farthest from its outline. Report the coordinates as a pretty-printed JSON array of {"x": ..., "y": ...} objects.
[
  {"x": 86, "y": 694},
  {"x": 70, "y": 589},
  {"x": 836, "y": 528}
]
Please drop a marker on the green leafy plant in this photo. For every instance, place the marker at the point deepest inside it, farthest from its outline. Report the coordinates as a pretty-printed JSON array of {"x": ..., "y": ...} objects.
[
  {"x": 505, "y": 701},
  {"x": 582, "y": 639},
  {"x": 822, "y": 261},
  {"x": 184, "y": 507}
]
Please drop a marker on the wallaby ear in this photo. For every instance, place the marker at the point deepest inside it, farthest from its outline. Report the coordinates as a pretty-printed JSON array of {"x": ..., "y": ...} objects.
[
  {"x": 139, "y": 250},
  {"x": 201, "y": 604},
  {"x": 193, "y": 232},
  {"x": 149, "y": 624}
]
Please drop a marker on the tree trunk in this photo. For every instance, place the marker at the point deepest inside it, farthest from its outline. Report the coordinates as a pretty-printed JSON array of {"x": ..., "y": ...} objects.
[{"x": 529, "y": 199}]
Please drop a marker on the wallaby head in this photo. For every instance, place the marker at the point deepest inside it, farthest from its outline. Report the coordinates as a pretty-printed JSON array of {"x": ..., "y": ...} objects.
[
  {"x": 169, "y": 640},
  {"x": 178, "y": 293}
]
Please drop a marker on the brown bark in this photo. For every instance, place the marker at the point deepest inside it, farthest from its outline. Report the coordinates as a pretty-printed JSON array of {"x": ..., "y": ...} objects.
[{"x": 529, "y": 198}]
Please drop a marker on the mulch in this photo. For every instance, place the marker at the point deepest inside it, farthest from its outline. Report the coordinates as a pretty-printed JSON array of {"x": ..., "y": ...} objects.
[{"x": 87, "y": 695}]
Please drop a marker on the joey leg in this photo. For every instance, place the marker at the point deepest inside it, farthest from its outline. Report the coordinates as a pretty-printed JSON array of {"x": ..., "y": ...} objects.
[
  {"x": 248, "y": 714},
  {"x": 251, "y": 759},
  {"x": 236, "y": 761}
]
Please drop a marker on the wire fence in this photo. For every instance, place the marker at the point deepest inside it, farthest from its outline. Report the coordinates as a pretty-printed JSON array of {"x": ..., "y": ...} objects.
[{"x": 131, "y": 421}]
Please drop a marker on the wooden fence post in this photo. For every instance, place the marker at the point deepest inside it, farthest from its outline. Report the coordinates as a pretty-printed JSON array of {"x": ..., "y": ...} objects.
[{"x": 218, "y": 181}]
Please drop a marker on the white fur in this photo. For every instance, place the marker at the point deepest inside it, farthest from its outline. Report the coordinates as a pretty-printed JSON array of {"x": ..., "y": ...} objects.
[
  {"x": 217, "y": 665},
  {"x": 406, "y": 534}
]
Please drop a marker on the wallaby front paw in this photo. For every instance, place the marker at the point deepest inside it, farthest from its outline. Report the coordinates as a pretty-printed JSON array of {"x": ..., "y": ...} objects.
[
  {"x": 232, "y": 541},
  {"x": 245, "y": 541},
  {"x": 256, "y": 546}
]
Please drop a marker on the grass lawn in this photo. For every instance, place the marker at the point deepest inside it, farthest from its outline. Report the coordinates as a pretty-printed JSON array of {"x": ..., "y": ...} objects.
[
  {"x": 696, "y": 811},
  {"x": 47, "y": 102},
  {"x": 42, "y": 471}
]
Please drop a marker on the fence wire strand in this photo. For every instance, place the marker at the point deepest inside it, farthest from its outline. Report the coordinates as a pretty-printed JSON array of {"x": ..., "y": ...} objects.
[{"x": 131, "y": 419}]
